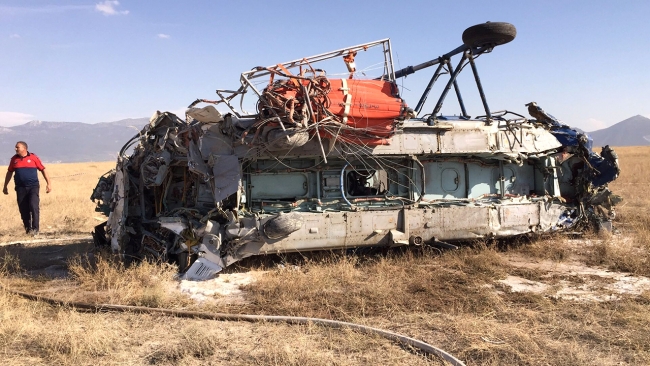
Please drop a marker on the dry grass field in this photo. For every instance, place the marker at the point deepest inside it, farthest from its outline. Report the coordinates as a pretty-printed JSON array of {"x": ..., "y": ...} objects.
[
  {"x": 587, "y": 300},
  {"x": 67, "y": 210}
]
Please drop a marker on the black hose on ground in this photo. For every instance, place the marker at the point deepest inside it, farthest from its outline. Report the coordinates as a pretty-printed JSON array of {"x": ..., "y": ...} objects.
[{"x": 424, "y": 347}]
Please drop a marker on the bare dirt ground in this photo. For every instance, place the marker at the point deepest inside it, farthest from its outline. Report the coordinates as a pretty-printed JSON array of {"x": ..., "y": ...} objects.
[{"x": 570, "y": 279}]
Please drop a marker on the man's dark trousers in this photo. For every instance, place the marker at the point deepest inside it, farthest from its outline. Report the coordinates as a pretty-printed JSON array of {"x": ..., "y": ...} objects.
[{"x": 28, "y": 201}]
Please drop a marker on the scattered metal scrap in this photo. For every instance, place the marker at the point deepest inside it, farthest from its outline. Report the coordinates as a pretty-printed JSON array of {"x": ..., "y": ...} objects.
[{"x": 331, "y": 162}]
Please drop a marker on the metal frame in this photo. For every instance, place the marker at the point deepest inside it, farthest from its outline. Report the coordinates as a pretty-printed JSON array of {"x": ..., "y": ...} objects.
[
  {"x": 469, "y": 54},
  {"x": 247, "y": 77},
  {"x": 444, "y": 63}
]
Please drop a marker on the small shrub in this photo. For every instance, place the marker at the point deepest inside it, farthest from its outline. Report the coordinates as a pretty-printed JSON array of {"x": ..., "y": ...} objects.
[{"x": 9, "y": 264}]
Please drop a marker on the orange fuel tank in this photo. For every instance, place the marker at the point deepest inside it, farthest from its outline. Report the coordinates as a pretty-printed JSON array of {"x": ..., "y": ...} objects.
[
  {"x": 369, "y": 105},
  {"x": 369, "y": 108}
]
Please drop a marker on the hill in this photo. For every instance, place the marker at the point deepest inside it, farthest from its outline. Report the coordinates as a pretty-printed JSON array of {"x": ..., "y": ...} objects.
[
  {"x": 68, "y": 142},
  {"x": 634, "y": 131}
]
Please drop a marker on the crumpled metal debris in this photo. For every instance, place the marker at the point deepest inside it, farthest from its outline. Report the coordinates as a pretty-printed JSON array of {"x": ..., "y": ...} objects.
[{"x": 303, "y": 174}]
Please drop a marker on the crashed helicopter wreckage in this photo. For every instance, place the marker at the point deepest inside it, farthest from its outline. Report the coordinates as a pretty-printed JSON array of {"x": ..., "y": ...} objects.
[{"x": 330, "y": 163}]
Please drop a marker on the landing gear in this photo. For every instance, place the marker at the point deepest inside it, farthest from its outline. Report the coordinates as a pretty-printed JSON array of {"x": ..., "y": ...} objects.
[{"x": 489, "y": 34}]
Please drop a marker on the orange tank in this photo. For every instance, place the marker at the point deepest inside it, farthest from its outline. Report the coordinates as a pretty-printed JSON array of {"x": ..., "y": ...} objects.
[
  {"x": 369, "y": 107},
  {"x": 366, "y": 104}
]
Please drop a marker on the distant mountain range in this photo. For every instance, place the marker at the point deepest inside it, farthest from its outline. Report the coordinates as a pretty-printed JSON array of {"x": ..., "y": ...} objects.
[
  {"x": 67, "y": 142},
  {"x": 634, "y": 131}
]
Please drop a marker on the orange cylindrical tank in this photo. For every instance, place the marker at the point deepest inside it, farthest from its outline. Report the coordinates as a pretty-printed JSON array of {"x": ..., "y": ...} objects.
[
  {"x": 372, "y": 104},
  {"x": 370, "y": 107}
]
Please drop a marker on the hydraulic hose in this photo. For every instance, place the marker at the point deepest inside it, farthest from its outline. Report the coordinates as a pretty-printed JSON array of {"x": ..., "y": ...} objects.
[{"x": 96, "y": 308}]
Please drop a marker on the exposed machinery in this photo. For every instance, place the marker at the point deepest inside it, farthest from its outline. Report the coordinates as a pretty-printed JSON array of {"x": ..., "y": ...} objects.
[{"x": 339, "y": 161}]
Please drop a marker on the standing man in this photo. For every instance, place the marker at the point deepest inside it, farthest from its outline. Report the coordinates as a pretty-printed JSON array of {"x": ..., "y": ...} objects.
[{"x": 25, "y": 165}]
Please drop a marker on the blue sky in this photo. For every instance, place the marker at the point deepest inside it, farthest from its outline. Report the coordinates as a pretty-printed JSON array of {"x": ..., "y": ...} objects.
[{"x": 585, "y": 62}]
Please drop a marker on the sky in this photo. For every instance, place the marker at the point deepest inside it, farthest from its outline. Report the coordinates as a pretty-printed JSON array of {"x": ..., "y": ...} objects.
[{"x": 585, "y": 62}]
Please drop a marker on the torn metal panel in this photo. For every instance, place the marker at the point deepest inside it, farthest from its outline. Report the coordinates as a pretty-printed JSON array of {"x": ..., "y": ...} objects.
[
  {"x": 226, "y": 176},
  {"x": 202, "y": 269},
  {"x": 173, "y": 224},
  {"x": 330, "y": 163},
  {"x": 196, "y": 163},
  {"x": 118, "y": 208},
  {"x": 207, "y": 114}
]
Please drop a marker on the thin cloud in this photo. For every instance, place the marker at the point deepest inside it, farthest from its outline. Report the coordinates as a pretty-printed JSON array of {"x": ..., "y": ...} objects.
[
  {"x": 8, "y": 119},
  {"x": 163, "y": 36},
  {"x": 14, "y": 35},
  {"x": 108, "y": 8}
]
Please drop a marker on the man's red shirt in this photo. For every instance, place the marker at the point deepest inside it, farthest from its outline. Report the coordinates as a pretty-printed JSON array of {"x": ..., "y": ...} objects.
[{"x": 25, "y": 169}]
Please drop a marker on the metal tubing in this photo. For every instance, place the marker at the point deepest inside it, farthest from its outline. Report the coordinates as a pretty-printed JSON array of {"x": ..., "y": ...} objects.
[
  {"x": 411, "y": 69},
  {"x": 458, "y": 96},
  {"x": 453, "y": 77},
  {"x": 130, "y": 143},
  {"x": 255, "y": 73},
  {"x": 424, "y": 186},
  {"x": 466, "y": 180},
  {"x": 444, "y": 245},
  {"x": 478, "y": 85},
  {"x": 318, "y": 177},
  {"x": 424, "y": 96},
  {"x": 226, "y": 100},
  {"x": 502, "y": 184},
  {"x": 313, "y": 118},
  {"x": 343, "y": 187},
  {"x": 388, "y": 66}
]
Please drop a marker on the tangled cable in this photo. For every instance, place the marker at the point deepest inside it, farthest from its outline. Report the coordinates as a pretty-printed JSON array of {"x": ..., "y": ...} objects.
[{"x": 303, "y": 103}]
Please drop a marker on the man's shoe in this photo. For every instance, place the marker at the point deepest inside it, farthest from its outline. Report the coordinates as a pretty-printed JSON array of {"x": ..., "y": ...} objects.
[{"x": 34, "y": 233}]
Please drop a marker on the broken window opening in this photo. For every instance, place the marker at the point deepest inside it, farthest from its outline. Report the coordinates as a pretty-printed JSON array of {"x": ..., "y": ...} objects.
[{"x": 366, "y": 183}]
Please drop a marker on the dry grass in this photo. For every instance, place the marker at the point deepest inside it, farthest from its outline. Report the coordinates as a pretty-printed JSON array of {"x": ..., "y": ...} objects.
[
  {"x": 66, "y": 210},
  {"x": 633, "y": 253},
  {"x": 33, "y": 333},
  {"x": 450, "y": 300},
  {"x": 104, "y": 280},
  {"x": 340, "y": 287},
  {"x": 36, "y": 334}
]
